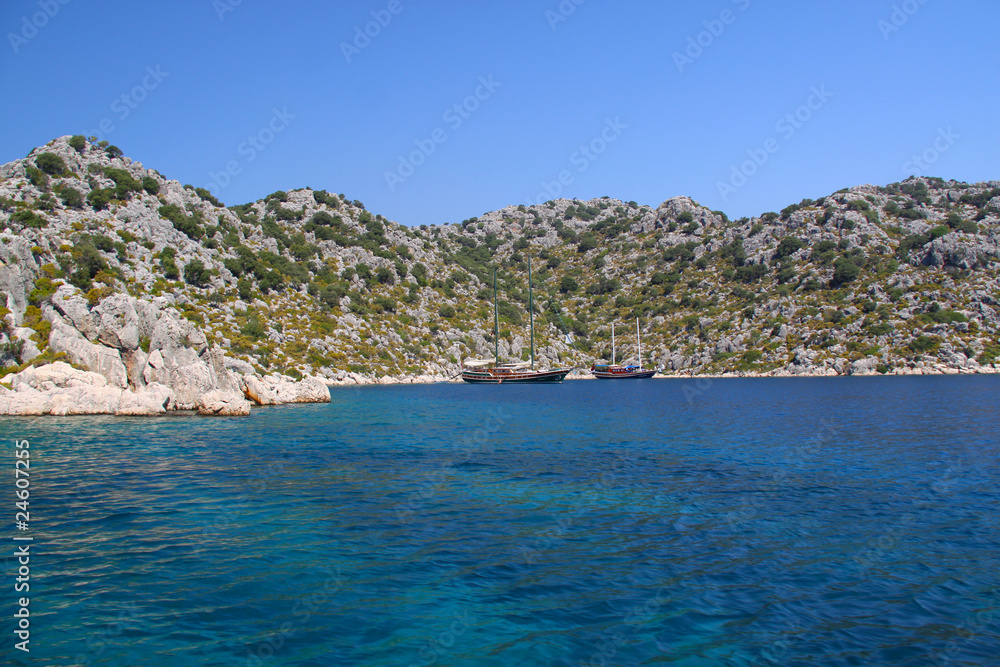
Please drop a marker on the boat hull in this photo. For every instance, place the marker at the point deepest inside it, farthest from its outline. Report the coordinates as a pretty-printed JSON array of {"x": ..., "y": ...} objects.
[
  {"x": 623, "y": 374},
  {"x": 525, "y": 377}
]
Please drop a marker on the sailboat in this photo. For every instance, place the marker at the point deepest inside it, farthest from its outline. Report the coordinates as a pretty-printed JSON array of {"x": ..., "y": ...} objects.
[
  {"x": 614, "y": 371},
  {"x": 490, "y": 371}
]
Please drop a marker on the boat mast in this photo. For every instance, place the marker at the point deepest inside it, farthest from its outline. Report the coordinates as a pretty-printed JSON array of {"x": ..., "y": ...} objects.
[
  {"x": 612, "y": 343},
  {"x": 638, "y": 342},
  {"x": 496, "y": 323},
  {"x": 531, "y": 316}
]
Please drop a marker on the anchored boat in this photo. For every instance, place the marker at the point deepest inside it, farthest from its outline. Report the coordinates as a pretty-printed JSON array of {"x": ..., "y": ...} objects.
[
  {"x": 614, "y": 371},
  {"x": 490, "y": 371}
]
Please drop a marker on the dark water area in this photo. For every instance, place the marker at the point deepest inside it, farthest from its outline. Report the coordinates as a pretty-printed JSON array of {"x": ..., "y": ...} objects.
[{"x": 833, "y": 521}]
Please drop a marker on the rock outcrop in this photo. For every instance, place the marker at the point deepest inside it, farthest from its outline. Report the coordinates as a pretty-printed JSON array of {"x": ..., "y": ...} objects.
[
  {"x": 111, "y": 372},
  {"x": 275, "y": 390}
]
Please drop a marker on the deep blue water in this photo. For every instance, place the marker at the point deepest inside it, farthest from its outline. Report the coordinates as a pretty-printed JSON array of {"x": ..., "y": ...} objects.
[{"x": 727, "y": 522}]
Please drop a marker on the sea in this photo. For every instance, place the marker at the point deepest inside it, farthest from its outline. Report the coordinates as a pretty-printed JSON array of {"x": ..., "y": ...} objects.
[{"x": 742, "y": 522}]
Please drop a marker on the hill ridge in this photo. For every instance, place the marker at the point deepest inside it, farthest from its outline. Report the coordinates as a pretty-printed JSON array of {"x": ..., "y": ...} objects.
[{"x": 900, "y": 278}]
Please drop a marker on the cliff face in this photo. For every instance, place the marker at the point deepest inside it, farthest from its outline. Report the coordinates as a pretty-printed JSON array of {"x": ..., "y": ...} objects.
[{"x": 149, "y": 283}]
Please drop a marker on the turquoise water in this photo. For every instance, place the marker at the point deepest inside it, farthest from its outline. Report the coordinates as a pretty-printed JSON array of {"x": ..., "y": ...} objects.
[{"x": 727, "y": 522}]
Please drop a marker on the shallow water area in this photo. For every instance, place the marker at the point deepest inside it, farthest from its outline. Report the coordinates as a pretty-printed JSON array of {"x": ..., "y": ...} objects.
[{"x": 835, "y": 521}]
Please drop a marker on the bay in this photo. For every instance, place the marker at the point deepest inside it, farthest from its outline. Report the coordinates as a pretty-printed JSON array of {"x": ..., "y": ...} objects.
[{"x": 835, "y": 521}]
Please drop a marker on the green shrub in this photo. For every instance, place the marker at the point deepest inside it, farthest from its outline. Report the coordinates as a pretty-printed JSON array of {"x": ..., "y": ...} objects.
[
  {"x": 587, "y": 242},
  {"x": 87, "y": 263},
  {"x": 29, "y": 219},
  {"x": 37, "y": 177},
  {"x": 196, "y": 274},
  {"x": 332, "y": 294},
  {"x": 77, "y": 142},
  {"x": 43, "y": 291},
  {"x": 71, "y": 197},
  {"x": 925, "y": 344},
  {"x": 150, "y": 185},
  {"x": 33, "y": 320},
  {"x": 604, "y": 286},
  {"x": 420, "y": 273},
  {"x": 183, "y": 223},
  {"x": 939, "y": 231},
  {"x": 844, "y": 271},
  {"x": 209, "y": 197},
  {"x": 100, "y": 198},
  {"x": 568, "y": 285},
  {"x": 752, "y": 273},
  {"x": 789, "y": 245},
  {"x": 125, "y": 185},
  {"x": 910, "y": 242},
  {"x": 50, "y": 163},
  {"x": 244, "y": 288},
  {"x": 447, "y": 311},
  {"x": 253, "y": 328},
  {"x": 509, "y": 313}
]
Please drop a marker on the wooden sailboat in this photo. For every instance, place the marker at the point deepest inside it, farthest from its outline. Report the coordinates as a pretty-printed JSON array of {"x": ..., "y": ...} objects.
[
  {"x": 614, "y": 371},
  {"x": 490, "y": 371}
]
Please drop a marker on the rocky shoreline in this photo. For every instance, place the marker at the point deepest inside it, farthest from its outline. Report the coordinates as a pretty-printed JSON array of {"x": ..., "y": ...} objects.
[
  {"x": 130, "y": 357},
  {"x": 354, "y": 379}
]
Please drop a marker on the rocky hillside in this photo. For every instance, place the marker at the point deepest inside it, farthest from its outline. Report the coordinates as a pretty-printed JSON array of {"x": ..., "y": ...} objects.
[{"x": 893, "y": 279}]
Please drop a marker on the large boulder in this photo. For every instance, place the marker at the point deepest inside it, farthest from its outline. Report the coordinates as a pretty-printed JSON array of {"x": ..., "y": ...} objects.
[
  {"x": 97, "y": 358},
  {"x": 16, "y": 272},
  {"x": 69, "y": 303},
  {"x": 182, "y": 370},
  {"x": 276, "y": 390},
  {"x": 223, "y": 404},
  {"x": 192, "y": 376},
  {"x": 59, "y": 389},
  {"x": 117, "y": 322},
  {"x": 172, "y": 333},
  {"x": 153, "y": 399}
]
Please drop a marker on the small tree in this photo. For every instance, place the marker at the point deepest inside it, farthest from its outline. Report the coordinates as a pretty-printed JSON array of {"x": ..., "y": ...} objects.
[
  {"x": 71, "y": 197},
  {"x": 50, "y": 163},
  {"x": 77, "y": 142},
  {"x": 844, "y": 271},
  {"x": 100, "y": 198},
  {"x": 196, "y": 274},
  {"x": 150, "y": 185}
]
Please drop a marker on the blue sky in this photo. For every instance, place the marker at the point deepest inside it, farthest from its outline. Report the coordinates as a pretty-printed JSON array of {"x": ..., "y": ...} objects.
[{"x": 746, "y": 106}]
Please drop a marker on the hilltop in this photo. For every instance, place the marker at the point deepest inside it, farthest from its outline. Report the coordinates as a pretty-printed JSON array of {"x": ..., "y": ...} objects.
[{"x": 901, "y": 278}]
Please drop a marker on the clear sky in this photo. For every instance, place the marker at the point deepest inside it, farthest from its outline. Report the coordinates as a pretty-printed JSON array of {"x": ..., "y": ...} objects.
[{"x": 745, "y": 105}]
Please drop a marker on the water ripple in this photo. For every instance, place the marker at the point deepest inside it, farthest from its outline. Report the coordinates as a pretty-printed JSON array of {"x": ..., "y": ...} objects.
[{"x": 834, "y": 522}]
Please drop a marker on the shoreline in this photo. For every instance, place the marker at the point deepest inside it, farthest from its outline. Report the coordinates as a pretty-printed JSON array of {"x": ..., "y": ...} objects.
[{"x": 355, "y": 380}]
